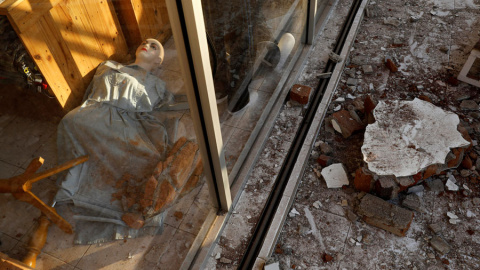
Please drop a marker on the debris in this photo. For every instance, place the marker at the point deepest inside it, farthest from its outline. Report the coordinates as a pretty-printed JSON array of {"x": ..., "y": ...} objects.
[
  {"x": 418, "y": 189},
  {"x": 326, "y": 258},
  {"x": 324, "y": 160},
  {"x": 412, "y": 149},
  {"x": 317, "y": 204},
  {"x": 324, "y": 75},
  {"x": 469, "y": 105},
  {"x": 476, "y": 201},
  {"x": 325, "y": 148},
  {"x": 435, "y": 228},
  {"x": 344, "y": 203},
  {"x": 218, "y": 256},
  {"x": 384, "y": 215},
  {"x": 416, "y": 17},
  {"x": 335, "y": 176},
  {"x": 335, "y": 57},
  {"x": 134, "y": 220},
  {"x": 464, "y": 74},
  {"x": 272, "y": 266},
  {"x": 225, "y": 260},
  {"x": 386, "y": 187},
  {"x": 367, "y": 69},
  {"x": 390, "y": 65},
  {"x": 414, "y": 202},
  {"x": 451, "y": 185},
  {"x": 300, "y": 93},
  {"x": 363, "y": 181},
  {"x": 440, "y": 245},
  {"x": 351, "y": 215},
  {"x": 293, "y": 212},
  {"x": 352, "y": 82},
  {"x": 453, "y": 218},
  {"x": 435, "y": 185},
  {"x": 344, "y": 124},
  {"x": 391, "y": 21}
]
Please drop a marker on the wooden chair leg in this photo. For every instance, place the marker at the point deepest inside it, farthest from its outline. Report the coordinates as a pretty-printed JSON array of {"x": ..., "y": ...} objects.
[{"x": 37, "y": 241}]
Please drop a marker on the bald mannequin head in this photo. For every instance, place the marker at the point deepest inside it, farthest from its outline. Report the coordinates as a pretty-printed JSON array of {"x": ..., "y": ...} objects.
[{"x": 149, "y": 54}]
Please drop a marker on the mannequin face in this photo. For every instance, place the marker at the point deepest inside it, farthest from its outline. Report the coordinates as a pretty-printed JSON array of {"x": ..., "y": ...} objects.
[{"x": 150, "y": 51}]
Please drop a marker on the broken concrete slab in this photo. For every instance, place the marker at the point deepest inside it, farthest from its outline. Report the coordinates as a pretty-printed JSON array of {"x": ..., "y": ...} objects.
[
  {"x": 335, "y": 176},
  {"x": 400, "y": 141},
  {"x": 379, "y": 213}
]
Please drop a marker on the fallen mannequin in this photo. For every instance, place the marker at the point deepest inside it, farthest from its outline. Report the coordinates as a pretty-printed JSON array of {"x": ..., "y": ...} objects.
[{"x": 141, "y": 159}]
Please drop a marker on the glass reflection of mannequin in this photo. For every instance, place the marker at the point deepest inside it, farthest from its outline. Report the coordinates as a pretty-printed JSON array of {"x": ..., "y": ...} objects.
[{"x": 117, "y": 127}]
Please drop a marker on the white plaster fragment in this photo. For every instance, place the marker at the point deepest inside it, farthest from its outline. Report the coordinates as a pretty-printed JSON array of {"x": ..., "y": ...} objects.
[
  {"x": 335, "y": 175},
  {"x": 451, "y": 185},
  {"x": 293, "y": 212},
  {"x": 408, "y": 136}
]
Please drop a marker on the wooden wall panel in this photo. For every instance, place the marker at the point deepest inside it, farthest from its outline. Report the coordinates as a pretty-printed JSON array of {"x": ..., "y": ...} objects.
[{"x": 69, "y": 38}]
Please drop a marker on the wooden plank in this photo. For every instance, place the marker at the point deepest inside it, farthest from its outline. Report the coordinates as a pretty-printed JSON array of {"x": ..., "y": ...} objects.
[
  {"x": 152, "y": 18},
  {"x": 106, "y": 29},
  {"x": 71, "y": 20},
  {"x": 12, "y": 264},
  {"x": 128, "y": 22},
  {"x": 6, "y": 5},
  {"x": 23, "y": 14}
]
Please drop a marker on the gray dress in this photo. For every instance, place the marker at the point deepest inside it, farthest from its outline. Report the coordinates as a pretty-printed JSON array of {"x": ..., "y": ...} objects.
[{"x": 116, "y": 126}]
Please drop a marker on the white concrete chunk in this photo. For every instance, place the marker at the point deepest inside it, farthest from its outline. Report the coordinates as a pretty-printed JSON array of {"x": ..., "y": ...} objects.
[
  {"x": 408, "y": 136},
  {"x": 335, "y": 175},
  {"x": 272, "y": 266}
]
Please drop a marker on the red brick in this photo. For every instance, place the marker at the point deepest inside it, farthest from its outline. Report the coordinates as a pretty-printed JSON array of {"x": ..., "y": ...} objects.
[
  {"x": 193, "y": 180},
  {"x": 324, "y": 160},
  {"x": 458, "y": 153},
  {"x": 346, "y": 123},
  {"x": 467, "y": 162},
  {"x": 182, "y": 163},
  {"x": 369, "y": 105},
  {"x": 166, "y": 195},
  {"x": 466, "y": 136},
  {"x": 363, "y": 181},
  {"x": 391, "y": 66},
  {"x": 134, "y": 220},
  {"x": 300, "y": 93},
  {"x": 430, "y": 171}
]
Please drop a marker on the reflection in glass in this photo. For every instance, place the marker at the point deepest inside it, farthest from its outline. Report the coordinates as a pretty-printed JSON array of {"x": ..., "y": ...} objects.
[{"x": 251, "y": 45}]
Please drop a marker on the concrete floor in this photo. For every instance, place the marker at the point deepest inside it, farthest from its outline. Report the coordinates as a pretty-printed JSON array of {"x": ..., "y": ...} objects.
[{"x": 435, "y": 47}]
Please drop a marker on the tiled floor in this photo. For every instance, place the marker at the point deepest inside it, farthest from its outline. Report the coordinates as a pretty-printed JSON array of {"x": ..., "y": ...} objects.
[{"x": 26, "y": 133}]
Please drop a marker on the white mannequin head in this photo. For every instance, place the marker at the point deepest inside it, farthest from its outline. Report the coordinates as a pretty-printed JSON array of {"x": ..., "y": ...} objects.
[{"x": 149, "y": 54}]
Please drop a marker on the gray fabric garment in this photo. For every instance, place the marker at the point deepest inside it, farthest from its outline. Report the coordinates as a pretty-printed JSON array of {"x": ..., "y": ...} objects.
[{"x": 120, "y": 126}]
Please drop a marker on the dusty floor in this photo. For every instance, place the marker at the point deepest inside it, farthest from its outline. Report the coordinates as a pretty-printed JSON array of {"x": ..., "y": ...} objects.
[{"x": 429, "y": 52}]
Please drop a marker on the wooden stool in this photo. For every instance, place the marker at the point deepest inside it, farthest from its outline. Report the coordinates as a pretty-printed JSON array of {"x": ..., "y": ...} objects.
[{"x": 20, "y": 187}]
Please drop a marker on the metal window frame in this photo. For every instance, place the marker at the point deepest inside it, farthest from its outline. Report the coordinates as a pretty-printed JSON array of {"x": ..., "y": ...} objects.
[{"x": 188, "y": 28}]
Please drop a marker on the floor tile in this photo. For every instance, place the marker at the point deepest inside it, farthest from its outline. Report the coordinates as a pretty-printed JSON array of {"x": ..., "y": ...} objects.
[{"x": 129, "y": 254}]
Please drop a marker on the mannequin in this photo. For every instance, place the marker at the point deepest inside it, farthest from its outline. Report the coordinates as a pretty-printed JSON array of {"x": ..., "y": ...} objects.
[{"x": 119, "y": 126}]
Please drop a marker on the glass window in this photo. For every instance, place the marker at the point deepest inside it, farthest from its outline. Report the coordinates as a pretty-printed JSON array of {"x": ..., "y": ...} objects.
[{"x": 251, "y": 44}]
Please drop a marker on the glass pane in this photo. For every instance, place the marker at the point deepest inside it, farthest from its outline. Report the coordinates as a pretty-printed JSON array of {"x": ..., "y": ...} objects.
[
  {"x": 251, "y": 44},
  {"x": 85, "y": 79}
]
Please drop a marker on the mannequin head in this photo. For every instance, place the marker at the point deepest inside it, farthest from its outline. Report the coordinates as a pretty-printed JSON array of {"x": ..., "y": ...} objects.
[{"x": 149, "y": 54}]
